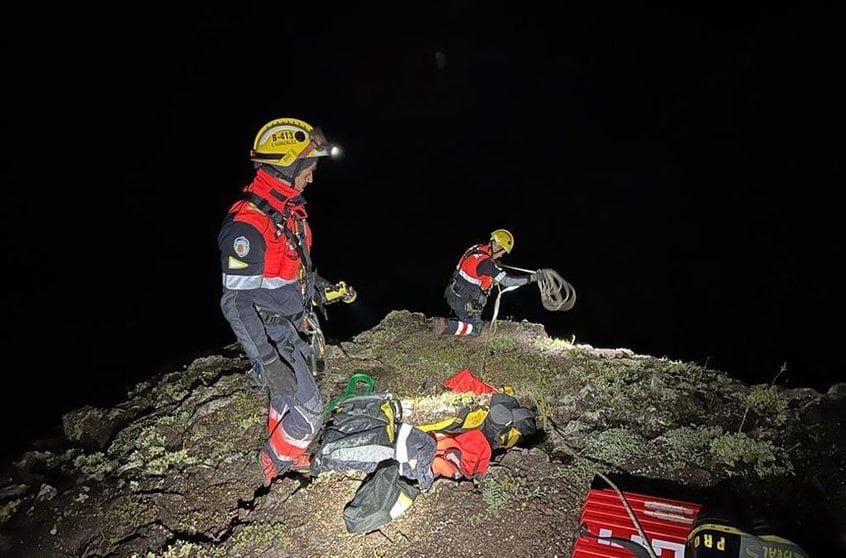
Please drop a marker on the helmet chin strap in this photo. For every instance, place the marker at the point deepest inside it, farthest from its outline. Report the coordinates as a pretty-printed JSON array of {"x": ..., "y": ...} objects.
[
  {"x": 282, "y": 173},
  {"x": 288, "y": 174}
]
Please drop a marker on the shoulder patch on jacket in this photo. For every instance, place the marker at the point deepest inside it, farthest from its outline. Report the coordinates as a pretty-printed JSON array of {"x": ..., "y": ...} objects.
[{"x": 241, "y": 245}]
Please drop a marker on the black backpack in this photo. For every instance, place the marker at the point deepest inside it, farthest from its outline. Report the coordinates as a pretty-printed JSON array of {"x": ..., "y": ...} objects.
[
  {"x": 360, "y": 432},
  {"x": 383, "y": 496},
  {"x": 507, "y": 422}
]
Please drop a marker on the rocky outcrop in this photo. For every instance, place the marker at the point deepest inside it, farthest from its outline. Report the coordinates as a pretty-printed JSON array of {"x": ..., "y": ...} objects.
[{"x": 172, "y": 470}]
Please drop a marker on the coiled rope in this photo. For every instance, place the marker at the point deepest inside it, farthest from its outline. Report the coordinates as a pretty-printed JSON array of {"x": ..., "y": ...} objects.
[{"x": 557, "y": 294}]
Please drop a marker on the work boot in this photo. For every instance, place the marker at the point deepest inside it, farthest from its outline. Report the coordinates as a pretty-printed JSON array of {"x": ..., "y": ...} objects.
[
  {"x": 440, "y": 326},
  {"x": 268, "y": 468}
]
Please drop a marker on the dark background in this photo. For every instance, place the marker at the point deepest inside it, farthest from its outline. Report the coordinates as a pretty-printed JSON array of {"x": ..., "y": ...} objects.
[{"x": 677, "y": 165}]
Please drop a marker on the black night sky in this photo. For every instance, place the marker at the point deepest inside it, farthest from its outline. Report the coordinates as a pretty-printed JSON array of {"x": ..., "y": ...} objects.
[{"x": 676, "y": 165}]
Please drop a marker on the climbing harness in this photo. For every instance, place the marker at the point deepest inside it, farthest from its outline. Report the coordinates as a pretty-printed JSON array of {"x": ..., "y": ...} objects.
[{"x": 316, "y": 340}]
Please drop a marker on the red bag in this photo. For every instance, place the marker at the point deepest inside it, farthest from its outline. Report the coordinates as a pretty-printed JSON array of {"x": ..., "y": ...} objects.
[
  {"x": 465, "y": 381},
  {"x": 466, "y": 454}
]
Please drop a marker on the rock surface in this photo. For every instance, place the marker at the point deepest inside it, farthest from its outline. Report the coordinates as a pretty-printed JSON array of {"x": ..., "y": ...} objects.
[{"x": 172, "y": 470}]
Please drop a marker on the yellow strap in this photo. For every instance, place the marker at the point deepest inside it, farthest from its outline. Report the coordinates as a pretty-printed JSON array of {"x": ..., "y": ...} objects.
[
  {"x": 466, "y": 420},
  {"x": 439, "y": 426},
  {"x": 511, "y": 437},
  {"x": 388, "y": 410},
  {"x": 475, "y": 418}
]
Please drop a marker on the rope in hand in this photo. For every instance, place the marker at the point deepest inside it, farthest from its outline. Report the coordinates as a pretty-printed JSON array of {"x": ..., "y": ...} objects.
[
  {"x": 551, "y": 285},
  {"x": 557, "y": 295}
]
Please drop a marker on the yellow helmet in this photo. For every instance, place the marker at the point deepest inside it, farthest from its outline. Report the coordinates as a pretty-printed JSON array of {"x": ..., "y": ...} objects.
[
  {"x": 284, "y": 140},
  {"x": 504, "y": 239}
]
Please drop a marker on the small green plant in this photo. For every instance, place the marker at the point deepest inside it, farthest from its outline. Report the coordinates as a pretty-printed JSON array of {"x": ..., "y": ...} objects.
[
  {"x": 544, "y": 413},
  {"x": 497, "y": 490},
  {"x": 768, "y": 403},
  {"x": 739, "y": 451},
  {"x": 615, "y": 446},
  {"x": 502, "y": 344},
  {"x": 7, "y": 510},
  {"x": 749, "y": 402},
  {"x": 265, "y": 534},
  {"x": 94, "y": 466},
  {"x": 685, "y": 445}
]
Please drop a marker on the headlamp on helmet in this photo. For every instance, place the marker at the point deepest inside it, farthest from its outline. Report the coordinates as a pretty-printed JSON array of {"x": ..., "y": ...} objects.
[{"x": 283, "y": 141}]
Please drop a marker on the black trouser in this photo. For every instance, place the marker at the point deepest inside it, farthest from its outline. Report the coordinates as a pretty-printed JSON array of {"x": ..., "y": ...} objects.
[{"x": 465, "y": 307}]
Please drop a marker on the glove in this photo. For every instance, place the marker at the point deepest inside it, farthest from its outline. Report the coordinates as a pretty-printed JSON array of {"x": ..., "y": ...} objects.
[
  {"x": 320, "y": 283},
  {"x": 254, "y": 382},
  {"x": 278, "y": 376},
  {"x": 321, "y": 286}
]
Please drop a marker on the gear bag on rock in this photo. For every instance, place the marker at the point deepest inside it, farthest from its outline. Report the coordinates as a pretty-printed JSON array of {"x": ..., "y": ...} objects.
[
  {"x": 363, "y": 431},
  {"x": 464, "y": 454},
  {"x": 503, "y": 420},
  {"x": 383, "y": 496},
  {"x": 508, "y": 422}
]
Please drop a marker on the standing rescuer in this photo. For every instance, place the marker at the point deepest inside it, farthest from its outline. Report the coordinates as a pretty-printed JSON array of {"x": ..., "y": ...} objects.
[
  {"x": 471, "y": 282},
  {"x": 270, "y": 288}
]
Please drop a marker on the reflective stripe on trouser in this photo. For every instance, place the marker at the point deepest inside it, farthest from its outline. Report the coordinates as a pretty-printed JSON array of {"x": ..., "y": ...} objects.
[
  {"x": 282, "y": 446},
  {"x": 293, "y": 422},
  {"x": 291, "y": 430},
  {"x": 457, "y": 327}
]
